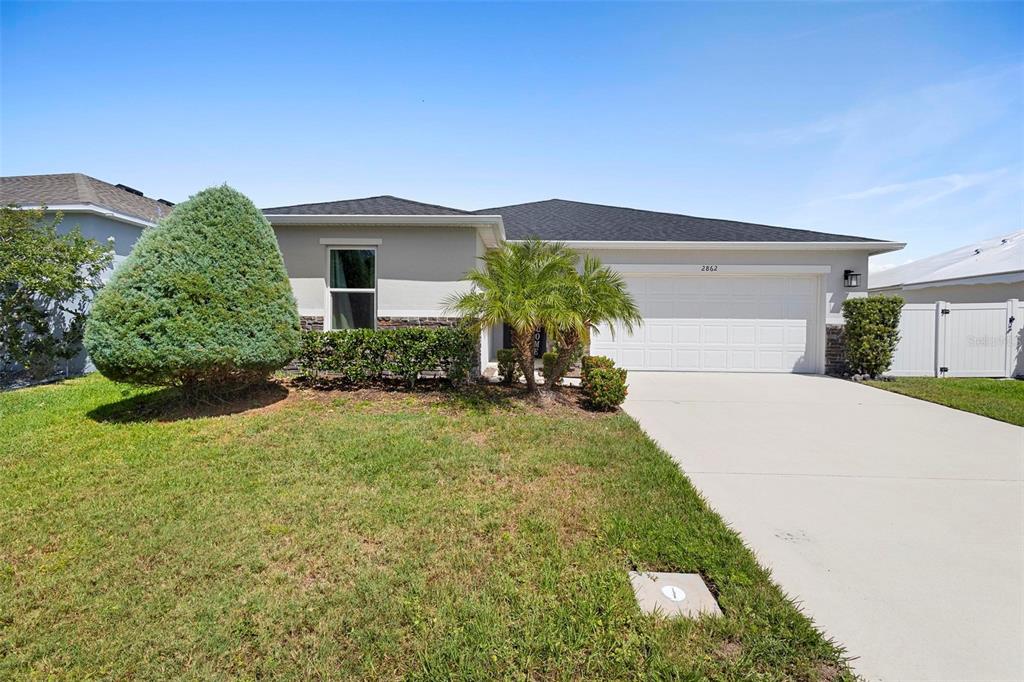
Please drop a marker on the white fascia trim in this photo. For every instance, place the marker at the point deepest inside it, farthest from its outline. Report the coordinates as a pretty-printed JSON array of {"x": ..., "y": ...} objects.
[
  {"x": 347, "y": 241},
  {"x": 462, "y": 220},
  {"x": 412, "y": 313},
  {"x": 678, "y": 269},
  {"x": 490, "y": 227},
  {"x": 873, "y": 247},
  {"x": 95, "y": 210},
  {"x": 994, "y": 278}
]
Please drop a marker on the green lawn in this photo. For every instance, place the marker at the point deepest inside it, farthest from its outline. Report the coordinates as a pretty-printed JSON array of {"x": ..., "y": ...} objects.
[
  {"x": 995, "y": 398},
  {"x": 362, "y": 535}
]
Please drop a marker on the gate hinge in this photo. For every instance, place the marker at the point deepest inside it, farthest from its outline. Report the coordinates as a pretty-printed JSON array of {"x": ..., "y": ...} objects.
[
  {"x": 943, "y": 369},
  {"x": 945, "y": 311}
]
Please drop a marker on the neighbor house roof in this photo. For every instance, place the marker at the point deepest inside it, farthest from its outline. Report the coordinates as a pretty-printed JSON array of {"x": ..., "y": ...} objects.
[
  {"x": 382, "y": 205},
  {"x": 562, "y": 220},
  {"x": 995, "y": 260},
  {"x": 76, "y": 189}
]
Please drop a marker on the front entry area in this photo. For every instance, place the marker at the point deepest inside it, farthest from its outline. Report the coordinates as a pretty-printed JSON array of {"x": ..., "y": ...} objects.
[{"x": 710, "y": 322}]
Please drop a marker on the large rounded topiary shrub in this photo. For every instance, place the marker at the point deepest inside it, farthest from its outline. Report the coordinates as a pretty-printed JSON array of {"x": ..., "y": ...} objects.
[{"x": 202, "y": 301}]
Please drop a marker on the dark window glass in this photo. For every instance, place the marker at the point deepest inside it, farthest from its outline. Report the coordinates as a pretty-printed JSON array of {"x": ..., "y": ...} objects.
[
  {"x": 352, "y": 310},
  {"x": 352, "y": 269}
]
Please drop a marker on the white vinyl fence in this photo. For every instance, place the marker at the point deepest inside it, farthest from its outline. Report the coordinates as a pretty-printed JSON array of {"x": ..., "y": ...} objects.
[{"x": 961, "y": 340}]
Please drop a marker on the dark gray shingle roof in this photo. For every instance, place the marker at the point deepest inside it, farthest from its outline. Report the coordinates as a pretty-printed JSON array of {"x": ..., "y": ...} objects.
[
  {"x": 77, "y": 188},
  {"x": 382, "y": 205},
  {"x": 562, "y": 220}
]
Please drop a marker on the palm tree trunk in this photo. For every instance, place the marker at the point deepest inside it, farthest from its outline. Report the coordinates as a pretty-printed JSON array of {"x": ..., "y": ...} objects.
[
  {"x": 568, "y": 346},
  {"x": 523, "y": 343}
]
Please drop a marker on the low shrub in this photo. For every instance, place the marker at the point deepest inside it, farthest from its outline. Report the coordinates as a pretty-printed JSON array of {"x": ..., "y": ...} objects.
[
  {"x": 364, "y": 355},
  {"x": 549, "y": 359},
  {"x": 603, "y": 384},
  {"x": 590, "y": 362},
  {"x": 605, "y": 387},
  {"x": 508, "y": 366},
  {"x": 871, "y": 333}
]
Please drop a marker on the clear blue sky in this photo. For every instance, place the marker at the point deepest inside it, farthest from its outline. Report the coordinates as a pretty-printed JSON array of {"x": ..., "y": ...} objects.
[{"x": 899, "y": 121}]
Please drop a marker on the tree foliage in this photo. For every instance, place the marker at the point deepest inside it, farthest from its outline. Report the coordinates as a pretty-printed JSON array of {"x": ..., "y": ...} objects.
[
  {"x": 872, "y": 332},
  {"x": 46, "y": 282},
  {"x": 534, "y": 284},
  {"x": 202, "y": 301},
  {"x": 521, "y": 284},
  {"x": 597, "y": 295}
]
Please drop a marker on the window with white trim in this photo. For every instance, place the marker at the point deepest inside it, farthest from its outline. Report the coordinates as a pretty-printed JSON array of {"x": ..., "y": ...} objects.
[{"x": 352, "y": 288}]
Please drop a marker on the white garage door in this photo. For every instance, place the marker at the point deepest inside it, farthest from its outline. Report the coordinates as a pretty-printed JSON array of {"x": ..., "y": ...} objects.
[{"x": 720, "y": 323}]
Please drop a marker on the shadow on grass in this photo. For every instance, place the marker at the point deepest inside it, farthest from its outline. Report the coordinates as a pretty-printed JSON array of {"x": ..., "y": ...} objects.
[
  {"x": 476, "y": 397},
  {"x": 170, "y": 404}
]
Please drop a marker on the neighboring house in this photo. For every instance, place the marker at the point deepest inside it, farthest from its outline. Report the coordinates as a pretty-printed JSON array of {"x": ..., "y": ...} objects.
[
  {"x": 990, "y": 271},
  {"x": 716, "y": 295},
  {"x": 104, "y": 212},
  {"x": 114, "y": 214}
]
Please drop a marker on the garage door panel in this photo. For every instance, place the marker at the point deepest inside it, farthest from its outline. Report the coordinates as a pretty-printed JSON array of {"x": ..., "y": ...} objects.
[
  {"x": 686, "y": 333},
  {"x": 769, "y": 334},
  {"x": 658, "y": 358},
  {"x": 742, "y": 360},
  {"x": 720, "y": 323},
  {"x": 686, "y": 359},
  {"x": 741, "y": 334},
  {"x": 659, "y": 332},
  {"x": 770, "y": 360},
  {"x": 714, "y": 334},
  {"x": 796, "y": 335},
  {"x": 714, "y": 359}
]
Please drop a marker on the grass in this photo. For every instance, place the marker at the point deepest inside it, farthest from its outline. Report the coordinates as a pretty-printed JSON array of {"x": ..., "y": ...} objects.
[
  {"x": 995, "y": 398},
  {"x": 362, "y": 535}
]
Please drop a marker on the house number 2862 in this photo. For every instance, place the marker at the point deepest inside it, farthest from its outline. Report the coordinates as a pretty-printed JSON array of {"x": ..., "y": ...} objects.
[{"x": 709, "y": 268}]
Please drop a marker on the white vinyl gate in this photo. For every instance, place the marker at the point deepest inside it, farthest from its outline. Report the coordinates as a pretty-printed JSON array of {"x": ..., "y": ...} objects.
[{"x": 961, "y": 340}]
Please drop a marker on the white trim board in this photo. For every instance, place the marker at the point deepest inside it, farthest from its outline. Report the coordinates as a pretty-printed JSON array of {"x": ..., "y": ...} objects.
[
  {"x": 724, "y": 269},
  {"x": 347, "y": 241},
  {"x": 94, "y": 210},
  {"x": 873, "y": 247}
]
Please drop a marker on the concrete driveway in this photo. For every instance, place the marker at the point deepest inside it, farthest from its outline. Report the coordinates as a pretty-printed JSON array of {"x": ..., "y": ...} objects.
[{"x": 898, "y": 524}]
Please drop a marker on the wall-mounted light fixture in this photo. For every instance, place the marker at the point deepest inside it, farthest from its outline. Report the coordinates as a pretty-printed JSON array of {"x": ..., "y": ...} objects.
[{"x": 851, "y": 279}]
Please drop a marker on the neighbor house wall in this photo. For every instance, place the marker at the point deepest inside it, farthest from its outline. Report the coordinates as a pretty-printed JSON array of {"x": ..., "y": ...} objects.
[
  {"x": 418, "y": 268},
  {"x": 121, "y": 236},
  {"x": 961, "y": 293}
]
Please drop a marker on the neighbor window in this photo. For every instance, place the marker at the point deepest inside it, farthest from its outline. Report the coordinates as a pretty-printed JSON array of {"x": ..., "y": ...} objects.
[{"x": 352, "y": 287}]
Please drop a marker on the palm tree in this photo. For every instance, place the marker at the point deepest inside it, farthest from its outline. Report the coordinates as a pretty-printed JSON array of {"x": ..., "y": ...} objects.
[
  {"x": 523, "y": 285},
  {"x": 597, "y": 295}
]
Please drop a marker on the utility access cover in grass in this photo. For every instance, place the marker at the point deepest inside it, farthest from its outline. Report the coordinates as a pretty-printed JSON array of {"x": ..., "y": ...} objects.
[{"x": 673, "y": 594}]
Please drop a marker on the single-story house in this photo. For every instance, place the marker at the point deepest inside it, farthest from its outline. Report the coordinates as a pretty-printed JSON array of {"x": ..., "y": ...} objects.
[
  {"x": 989, "y": 271},
  {"x": 113, "y": 214},
  {"x": 716, "y": 295}
]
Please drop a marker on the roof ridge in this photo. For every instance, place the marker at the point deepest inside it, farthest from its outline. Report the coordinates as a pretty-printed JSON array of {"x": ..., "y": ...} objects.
[
  {"x": 370, "y": 198},
  {"x": 677, "y": 215},
  {"x": 86, "y": 189}
]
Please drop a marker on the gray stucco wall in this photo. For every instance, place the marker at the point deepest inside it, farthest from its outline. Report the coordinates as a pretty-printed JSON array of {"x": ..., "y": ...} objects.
[
  {"x": 100, "y": 228},
  {"x": 835, "y": 292},
  {"x": 417, "y": 267}
]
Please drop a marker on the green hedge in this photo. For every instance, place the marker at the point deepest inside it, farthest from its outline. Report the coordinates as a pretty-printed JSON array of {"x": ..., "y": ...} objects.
[
  {"x": 872, "y": 333},
  {"x": 364, "y": 355}
]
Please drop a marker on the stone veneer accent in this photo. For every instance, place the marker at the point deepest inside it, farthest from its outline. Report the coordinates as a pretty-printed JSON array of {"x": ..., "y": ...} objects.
[
  {"x": 311, "y": 323},
  {"x": 433, "y": 322},
  {"x": 835, "y": 350}
]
